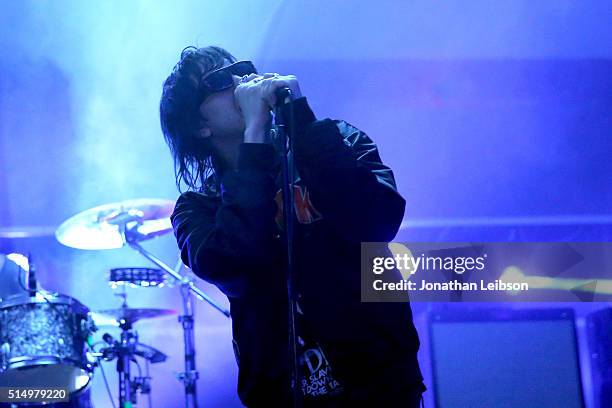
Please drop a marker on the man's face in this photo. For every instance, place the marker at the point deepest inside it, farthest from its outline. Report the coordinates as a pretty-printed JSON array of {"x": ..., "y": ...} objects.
[{"x": 221, "y": 116}]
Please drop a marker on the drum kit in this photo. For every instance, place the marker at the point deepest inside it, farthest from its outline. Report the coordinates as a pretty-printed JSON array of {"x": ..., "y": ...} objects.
[{"x": 46, "y": 339}]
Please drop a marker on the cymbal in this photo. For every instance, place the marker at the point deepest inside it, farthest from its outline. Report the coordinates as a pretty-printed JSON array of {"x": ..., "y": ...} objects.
[
  {"x": 114, "y": 317},
  {"x": 101, "y": 227}
]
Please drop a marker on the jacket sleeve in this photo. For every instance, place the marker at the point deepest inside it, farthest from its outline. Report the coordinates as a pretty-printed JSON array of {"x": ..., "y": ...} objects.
[
  {"x": 222, "y": 239},
  {"x": 347, "y": 180}
]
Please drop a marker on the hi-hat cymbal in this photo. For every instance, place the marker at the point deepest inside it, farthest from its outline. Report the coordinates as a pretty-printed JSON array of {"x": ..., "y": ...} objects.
[
  {"x": 101, "y": 227},
  {"x": 116, "y": 317}
]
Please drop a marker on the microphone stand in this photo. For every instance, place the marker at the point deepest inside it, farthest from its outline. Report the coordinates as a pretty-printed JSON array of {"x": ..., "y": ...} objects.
[{"x": 284, "y": 147}]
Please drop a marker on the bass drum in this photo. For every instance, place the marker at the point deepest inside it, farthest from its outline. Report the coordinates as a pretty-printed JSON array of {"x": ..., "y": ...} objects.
[{"x": 43, "y": 343}]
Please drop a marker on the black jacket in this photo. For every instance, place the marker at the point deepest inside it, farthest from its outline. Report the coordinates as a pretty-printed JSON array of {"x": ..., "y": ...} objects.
[{"x": 344, "y": 196}]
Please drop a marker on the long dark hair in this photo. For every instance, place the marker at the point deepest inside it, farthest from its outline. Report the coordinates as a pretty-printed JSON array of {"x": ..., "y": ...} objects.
[{"x": 179, "y": 113}]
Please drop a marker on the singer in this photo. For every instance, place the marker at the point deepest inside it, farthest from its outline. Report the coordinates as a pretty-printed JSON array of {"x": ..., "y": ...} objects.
[{"x": 215, "y": 117}]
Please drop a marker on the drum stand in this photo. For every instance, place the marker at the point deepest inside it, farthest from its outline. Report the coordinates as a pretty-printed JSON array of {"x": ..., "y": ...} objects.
[
  {"x": 125, "y": 353},
  {"x": 188, "y": 288}
]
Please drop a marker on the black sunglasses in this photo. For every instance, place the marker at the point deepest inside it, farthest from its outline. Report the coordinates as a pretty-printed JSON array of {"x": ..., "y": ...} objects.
[{"x": 222, "y": 78}]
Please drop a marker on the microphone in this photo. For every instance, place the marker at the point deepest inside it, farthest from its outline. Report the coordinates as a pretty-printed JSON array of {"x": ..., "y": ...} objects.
[
  {"x": 109, "y": 353},
  {"x": 281, "y": 96},
  {"x": 108, "y": 339}
]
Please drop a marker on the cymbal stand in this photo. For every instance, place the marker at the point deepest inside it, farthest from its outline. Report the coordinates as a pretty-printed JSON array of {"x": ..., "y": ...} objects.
[
  {"x": 188, "y": 288},
  {"x": 125, "y": 352},
  {"x": 190, "y": 375}
]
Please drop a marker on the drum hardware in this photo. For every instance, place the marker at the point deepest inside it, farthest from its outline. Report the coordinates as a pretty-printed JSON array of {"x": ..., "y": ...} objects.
[
  {"x": 128, "y": 223},
  {"x": 128, "y": 348},
  {"x": 5, "y": 351},
  {"x": 150, "y": 354},
  {"x": 32, "y": 282}
]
